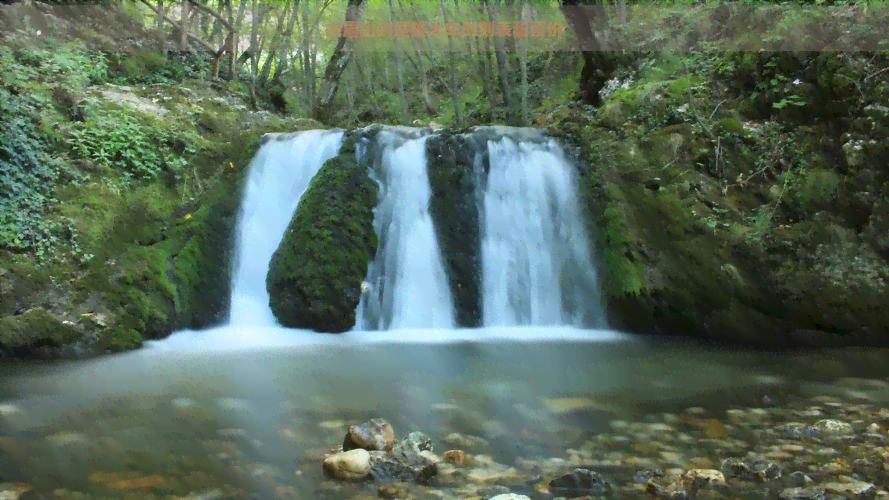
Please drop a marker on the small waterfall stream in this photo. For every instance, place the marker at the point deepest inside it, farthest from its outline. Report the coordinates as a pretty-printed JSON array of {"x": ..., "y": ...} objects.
[
  {"x": 251, "y": 406},
  {"x": 279, "y": 175}
]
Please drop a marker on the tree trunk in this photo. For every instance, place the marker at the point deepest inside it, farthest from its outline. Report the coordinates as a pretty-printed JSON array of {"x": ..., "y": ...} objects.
[
  {"x": 431, "y": 106},
  {"x": 458, "y": 118},
  {"x": 287, "y": 44},
  {"x": 337, "y": 64},
  {"x": 161, "y": 31},
  {"x": 399, "y": 67},
  {"x": 277, "y": 41},
  {"x": 502, "y": 65},
  {"x": 183, "y": 28},
  {"x": 526, "y": 18},
  {"x": 598, "y": 65}
]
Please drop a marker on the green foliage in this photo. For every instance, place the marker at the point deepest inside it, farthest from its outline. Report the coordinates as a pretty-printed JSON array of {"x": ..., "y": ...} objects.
[
  {"x": 28, "y": 178},
  {"x": 622, "y": 275},
  {"x": 118, "y": 142},
  {"x": 845, "y": 263},
  {"x": 69, "y": 62},
  {"x": 149, "y": 66},
  {"x": 817, "y": 186}
]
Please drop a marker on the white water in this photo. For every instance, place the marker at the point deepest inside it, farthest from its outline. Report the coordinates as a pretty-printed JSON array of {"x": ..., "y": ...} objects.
[
  {"x": 535, "y": 256},
  {"x": 406, "y": 283},
  {"x": 536, "y": 270},
  {"x": 279, "y": 175}
]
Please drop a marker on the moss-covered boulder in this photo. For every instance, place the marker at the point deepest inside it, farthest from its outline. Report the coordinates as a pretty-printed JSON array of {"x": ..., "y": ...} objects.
[
  {"x": 723, "y": 227},
  {"x": 36, "y": 328},
  {"x": 456, "y": 181},
  {"x": 315, "y": 275}
]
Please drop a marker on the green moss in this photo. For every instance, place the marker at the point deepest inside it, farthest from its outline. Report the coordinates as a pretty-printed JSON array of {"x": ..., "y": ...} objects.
[
  {"x": 453, "y": 180},
  {"x": 315, "y": 275},
  {"x": 35, "y": 328}
]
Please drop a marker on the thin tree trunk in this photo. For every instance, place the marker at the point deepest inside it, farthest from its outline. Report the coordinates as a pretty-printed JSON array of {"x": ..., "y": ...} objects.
[
  {"x": 287, "y": 42},
  {"x": 431, "y": 106},
  {"x": 452, "y": 89},
  {"x": 183, "y": 28},
  {"x": 336, "y": 66},
  {"x": 161, "y": 31},
  {"x": 233, "y": 34},
  {"x": 500, "y": 53},
  {"x": 277, "y": 41},
  {"x": 585, "y": 21},
  {"x": 526, "y": 18},
  {"x": 399, "y": 67}
]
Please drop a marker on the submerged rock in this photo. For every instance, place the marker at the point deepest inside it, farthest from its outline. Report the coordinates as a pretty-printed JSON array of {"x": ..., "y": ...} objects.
[
  {"x": 375, "y": 434},
  {"x": 375, "y": 455},
  {"x": 348, "y": 465}
]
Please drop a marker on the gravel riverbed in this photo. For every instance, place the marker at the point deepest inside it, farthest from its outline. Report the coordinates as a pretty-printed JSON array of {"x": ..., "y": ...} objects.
[{"x": 832, "y": 445}]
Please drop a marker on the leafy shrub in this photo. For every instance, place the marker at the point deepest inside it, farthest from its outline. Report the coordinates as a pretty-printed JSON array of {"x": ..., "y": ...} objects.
[
  {"x": 70, "y": 63},
  {"x": 28, "y": 177},
  {"x": 117, "y": 141},
  {"x": 148, "y": 65}
]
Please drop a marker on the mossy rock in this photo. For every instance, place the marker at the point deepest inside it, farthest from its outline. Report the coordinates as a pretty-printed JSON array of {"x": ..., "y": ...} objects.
[
  {"x": 161, "y": 264},
  {"x": 669, "y": 269},
  {"x": 35, "y": 328},
  {"x": 315, "y": 275},
  {"x": 455, "y": 182}
]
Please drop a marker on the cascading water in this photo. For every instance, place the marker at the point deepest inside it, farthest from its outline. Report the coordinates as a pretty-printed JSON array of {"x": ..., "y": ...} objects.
[
  {"x": 535, "y": 263},
  {"x": 235, "y": 408},
  {"x": 535, "y": 256},
  {"x": 406, "y": 283},
  {"x": 279, "y": 175}
]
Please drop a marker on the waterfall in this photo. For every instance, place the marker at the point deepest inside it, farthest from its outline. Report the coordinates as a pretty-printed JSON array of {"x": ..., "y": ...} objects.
[
  {"x": 278, "y": 176},
  {"x": 406, "y": 283},
  {"x": 534, "y": 261},
  {"x": 536, "y": 267}
]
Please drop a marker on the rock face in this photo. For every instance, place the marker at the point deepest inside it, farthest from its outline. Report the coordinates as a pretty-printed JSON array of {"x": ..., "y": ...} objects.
[
  {"x": 316, "y": 273},
  {"x": 747, "y": 228},
  {"x": 455, "y": 180}
]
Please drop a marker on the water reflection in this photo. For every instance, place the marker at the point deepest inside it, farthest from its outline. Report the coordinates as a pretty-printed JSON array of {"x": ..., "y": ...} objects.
[{"x": 216, "y": 416}]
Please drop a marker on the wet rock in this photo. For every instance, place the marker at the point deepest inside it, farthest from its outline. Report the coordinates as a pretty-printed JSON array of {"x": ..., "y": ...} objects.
[
  {"x": 766, "y": 471},
  {"x": 808, "y": 493},
  {"x": 673, "y": 491},
  {"x": 800, "y": 480},
  {"x": 581, "y": 482},
  {"x": 487, "y": 471},
  {"x": 348, "y": 465},
  {"x": 510, "y": 496},
  {"x": 409, "y": 450},
  {"x": 735, "y": 467},
  {"x": 852, "y": 489},
  {"x": 866, "y": 466},
  {"x": 455, "y": 457},
  {"x": 465, "y": 442},
  {"x": 831, "y": 427},
  {"x": 704, "y": 477},
  {"x": 388, "y": 470},
  {"x": 375, "y": 434},
  {"x": 394, "y": 490},
  {"x": 493, "y": 491},
  {"x": 646, "y": 475}
]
